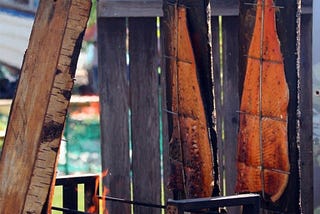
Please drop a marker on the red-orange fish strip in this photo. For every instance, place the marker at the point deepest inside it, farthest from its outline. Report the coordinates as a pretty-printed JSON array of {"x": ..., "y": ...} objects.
[
  {"x": 191, "y": 158},
  {"x": 263, "y": 163}
]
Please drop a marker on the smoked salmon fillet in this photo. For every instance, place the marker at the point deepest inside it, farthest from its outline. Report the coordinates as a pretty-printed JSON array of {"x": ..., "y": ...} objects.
[
  {"x": 190, "y": 151},
  {"x": 262, "y": 158}
]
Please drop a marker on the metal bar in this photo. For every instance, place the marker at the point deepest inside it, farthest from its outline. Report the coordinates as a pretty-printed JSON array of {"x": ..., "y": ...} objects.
[
  {"x": 138, "y": 203},
  {"x": 251, "y": 203},
  {"x": 69, "y": 211}
]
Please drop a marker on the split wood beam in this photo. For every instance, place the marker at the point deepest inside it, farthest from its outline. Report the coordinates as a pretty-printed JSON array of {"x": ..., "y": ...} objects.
[{"x": 38, "y": 112}]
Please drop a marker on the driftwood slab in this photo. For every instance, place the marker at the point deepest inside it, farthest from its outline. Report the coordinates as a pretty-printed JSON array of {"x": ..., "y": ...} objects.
[{"x": 38, "y": 112}]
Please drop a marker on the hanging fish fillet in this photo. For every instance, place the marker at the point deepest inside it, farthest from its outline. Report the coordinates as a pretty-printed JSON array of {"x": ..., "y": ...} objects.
[
  {"x": 190, "y": 152},
  {"x": 263, "y": 163}
]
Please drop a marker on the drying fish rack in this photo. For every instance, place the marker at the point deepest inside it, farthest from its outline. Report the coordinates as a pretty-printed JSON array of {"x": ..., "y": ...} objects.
[{"x": 250, "y": 202}]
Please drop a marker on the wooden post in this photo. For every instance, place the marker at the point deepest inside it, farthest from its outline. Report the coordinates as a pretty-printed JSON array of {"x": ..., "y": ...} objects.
[
  {"x": 114, "y": 99},
  {"x": 286, "y": 26},
  {"x": 37, "y": 117},
  {"x": 305, "y": 130},
  {"x": 144, "y": 84}
]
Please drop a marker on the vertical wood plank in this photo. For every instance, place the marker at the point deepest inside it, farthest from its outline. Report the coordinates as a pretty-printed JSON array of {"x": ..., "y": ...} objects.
[
  {"x": 114, "y": 92},
  {"x": 231, "y": 99},
  {"x": 224, "y": 7},
  {"x": 144, "y": 84},
  {"x": 287, "y": 31},
  {"x": 130, "y": 8},
  {"x": 306, "y": 138},
  {"x": 165, "y": 129},
  {"x": 316, "y": 103}
]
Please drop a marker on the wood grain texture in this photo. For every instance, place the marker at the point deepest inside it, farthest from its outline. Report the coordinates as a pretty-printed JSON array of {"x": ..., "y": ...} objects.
[
  {"x": 38, "y": 112},
  {"x": 145, "y": 118},
  {"x": 130, "y": 8},
  {"x": 287, "y": 33},
  {"x": 224, "y": 7},
  {"x": 114, "y": 100},
  {"x": 305, "y": 131},
  {"x": 230, "y": 99},
  {"x": 153, "y": 8}
]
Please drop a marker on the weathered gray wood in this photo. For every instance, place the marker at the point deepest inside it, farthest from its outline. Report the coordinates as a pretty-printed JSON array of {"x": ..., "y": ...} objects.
[
  {"x": 227, "y": 100},
  {"x": 130, "y": 8},
  {"x": 114, "y": 100},
  {"x": 231, "y": 99},
  {"x": 145, "y": 121},
  {"x": 164, "y": 112},
  {"x": 224, "y": 7},
  {"x": 153, "y": 8},
  {"x": 305, "y": 131},
  {"x": 316, "y": 103},
  {"x": 287, "y": 27}
]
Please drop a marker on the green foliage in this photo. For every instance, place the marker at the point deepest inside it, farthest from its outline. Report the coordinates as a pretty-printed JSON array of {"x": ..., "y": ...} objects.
[{"x": 93, "y": 13}]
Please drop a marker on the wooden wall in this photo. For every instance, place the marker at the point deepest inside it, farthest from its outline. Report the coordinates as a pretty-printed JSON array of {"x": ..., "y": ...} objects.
[{"x": 134, "y": 137}]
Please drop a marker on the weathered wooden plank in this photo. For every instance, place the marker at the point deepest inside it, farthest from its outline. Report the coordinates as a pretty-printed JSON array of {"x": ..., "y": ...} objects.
[
  {"x": 145, "y": 120},
  {"x": 164, "y": 114},
  {"x": 153, "y": 8},
  {"x": 224, "y": 7},
  {"x": 114, "y": 100},
  {"x": 226, "y": 99},
  {"x": 130, "y": 8},
  {"x": 38, "y": 112},
  {"x": 287, "y": 28},
  {"x": 316, "y": 103},
  {"x": 305, "y": 131},
  {"x": 231, "y": 99}
]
